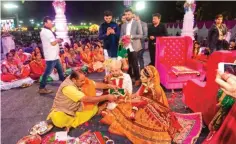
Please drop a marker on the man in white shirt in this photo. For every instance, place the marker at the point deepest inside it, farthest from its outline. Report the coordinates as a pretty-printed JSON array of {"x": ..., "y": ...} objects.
[
  {"x": 51, "y": 53},
  {"x": 133, "y": 29}
]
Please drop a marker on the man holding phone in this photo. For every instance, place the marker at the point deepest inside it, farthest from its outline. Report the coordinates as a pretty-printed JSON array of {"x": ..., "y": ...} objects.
[
  {"x": 109, "y": 32},
  {"x": 51, "y": 53}
]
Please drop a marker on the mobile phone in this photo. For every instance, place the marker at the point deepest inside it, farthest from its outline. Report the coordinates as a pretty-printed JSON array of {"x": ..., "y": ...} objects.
[{"x": 227, "y": 68}]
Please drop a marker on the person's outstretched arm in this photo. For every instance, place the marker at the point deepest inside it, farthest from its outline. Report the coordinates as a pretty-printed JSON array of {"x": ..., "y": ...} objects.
[
  {"x": 100, "y": 85},
  {"x": 76, "y": 95}
]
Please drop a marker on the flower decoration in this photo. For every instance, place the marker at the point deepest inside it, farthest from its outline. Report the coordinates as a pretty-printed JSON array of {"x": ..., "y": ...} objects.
[
  {"x": 122, "y": 50},
  {"x": 59, "y": 6},
  {"x": 189, "y": 5},
  {"x": 125, "y": 41},
  {"x": 94, "y": 28}
]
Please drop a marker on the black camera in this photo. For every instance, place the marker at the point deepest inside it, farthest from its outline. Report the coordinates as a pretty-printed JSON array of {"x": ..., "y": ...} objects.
[{"x": 61, "y": 49}]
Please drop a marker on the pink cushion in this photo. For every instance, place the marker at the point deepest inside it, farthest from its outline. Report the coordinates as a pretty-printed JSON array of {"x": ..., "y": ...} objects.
[
  {"x": 173, "y": 78},
  {"x": 181, "y": 78},
  {"x": 183, "y": 70},
  {"x": 175, "y": 51}
]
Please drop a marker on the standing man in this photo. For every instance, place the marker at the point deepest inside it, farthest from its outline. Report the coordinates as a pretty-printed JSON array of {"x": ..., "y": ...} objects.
[
  {"x": 109, "y": 32},
  {"x": 123, "y": 20},
  {"x": 157, "y": 29},
  {"x": 51, "y": 53},
  {"x": 145, "y": 34},
  {"x": 217, "y": 34},
  {"x": 134, "y": 30},
  {"x": 8, "y": 42}
]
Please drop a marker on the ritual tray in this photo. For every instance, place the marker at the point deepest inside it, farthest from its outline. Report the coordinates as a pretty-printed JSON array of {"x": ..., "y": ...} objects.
[{"x": 40, "y": 128}]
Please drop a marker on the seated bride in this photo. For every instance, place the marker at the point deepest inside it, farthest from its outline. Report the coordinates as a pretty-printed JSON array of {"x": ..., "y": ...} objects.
[{"x": 146, "y": 116}]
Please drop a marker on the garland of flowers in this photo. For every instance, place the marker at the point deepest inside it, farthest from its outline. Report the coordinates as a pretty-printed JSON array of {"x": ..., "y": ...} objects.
[{"x": 123, "y": 43}]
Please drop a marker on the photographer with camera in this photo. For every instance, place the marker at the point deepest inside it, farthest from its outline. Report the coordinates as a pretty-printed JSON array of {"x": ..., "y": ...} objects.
[{"x": 51, "y": 53}]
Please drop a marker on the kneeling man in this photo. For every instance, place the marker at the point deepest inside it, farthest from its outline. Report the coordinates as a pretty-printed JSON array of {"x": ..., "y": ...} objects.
[{"x": 76, "y": 101}]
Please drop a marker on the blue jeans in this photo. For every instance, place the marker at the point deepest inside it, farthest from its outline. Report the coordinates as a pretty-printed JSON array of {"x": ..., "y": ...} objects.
[{"x": 50, "y": 65}]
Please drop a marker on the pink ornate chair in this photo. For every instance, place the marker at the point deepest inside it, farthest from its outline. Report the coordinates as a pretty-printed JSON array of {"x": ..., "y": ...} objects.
[
  {"x": 201, "y": 96},
  {"x": 234, "y": 53},
  {"x": 174, "y": 62}
]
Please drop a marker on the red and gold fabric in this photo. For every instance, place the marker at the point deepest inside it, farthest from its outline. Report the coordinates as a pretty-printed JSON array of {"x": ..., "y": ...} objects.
[
  {"x": 87, "y": 58},
  {"x": 63, "y": 62},
  {"x": 183, "y": 70},
  {"x": 153, "y": 124},
  {"x": 13, "y": 71},
  {"x": 37, "y": 68},
  {"x": 153, "y": 91},
  {"x": 21, "y": 58},
  {"x": 89, "y": 89},
  {"x": 98, "y": 56},
  {"x": 153, "y": 121}
]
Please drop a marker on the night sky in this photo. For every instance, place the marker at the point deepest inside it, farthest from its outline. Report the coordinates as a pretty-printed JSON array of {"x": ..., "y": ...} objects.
[{"x": 92, "y": 11}]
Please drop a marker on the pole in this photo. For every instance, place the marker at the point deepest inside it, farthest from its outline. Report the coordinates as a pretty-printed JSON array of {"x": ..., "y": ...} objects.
[{"x": 17, "y": 20}]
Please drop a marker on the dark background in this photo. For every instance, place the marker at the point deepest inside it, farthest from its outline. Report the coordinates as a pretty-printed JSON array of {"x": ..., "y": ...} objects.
[{"x": 92, "y": 11}]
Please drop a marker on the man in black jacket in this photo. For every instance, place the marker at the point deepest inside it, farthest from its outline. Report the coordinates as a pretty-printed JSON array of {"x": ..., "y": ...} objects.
[
  {"x": 157, "y": 29},
  {"x": 216, "y": 35},
  {"x": 109, "y": 32}
]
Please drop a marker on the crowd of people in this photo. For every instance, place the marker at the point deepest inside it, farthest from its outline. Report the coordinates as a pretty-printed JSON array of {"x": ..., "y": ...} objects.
[
  {"x": 89, "y": 56},
  {"x": 76, "y": 100}
]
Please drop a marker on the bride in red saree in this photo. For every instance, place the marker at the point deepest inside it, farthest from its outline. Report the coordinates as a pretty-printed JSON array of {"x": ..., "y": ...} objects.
[{"x": 152, "y": 120}]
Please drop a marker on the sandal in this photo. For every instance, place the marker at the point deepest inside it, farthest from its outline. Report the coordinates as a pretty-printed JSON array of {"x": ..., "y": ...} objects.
[{"x": 25, "y": 85}]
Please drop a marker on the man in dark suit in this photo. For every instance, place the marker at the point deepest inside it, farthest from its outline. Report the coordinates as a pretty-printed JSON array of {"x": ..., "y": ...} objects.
[
  {"x": 145, "y": 34},
  {"x": 157, "y": 29},
  {"x": 109, "y": 32},
  {"x": 216, "y": 35},
  {"x": 134, "y": 30}
]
